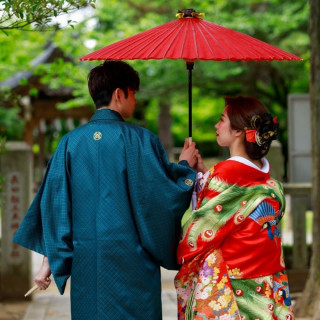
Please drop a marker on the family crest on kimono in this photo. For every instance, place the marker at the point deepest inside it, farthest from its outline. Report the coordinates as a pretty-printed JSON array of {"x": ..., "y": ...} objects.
[
  {"x": 109, "y": 208},
  {"x": 230, "y": 247}
]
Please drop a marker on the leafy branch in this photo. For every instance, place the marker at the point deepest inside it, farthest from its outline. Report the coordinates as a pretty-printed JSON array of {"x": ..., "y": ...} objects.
[{"x": 20, "y": 14}]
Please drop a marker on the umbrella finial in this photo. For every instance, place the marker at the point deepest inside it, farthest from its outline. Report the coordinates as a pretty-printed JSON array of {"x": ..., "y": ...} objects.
[{"x": 189, "y": 13}]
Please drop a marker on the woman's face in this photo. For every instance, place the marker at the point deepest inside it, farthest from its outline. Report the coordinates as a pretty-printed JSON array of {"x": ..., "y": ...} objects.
[{"x": 225, "y": 135}]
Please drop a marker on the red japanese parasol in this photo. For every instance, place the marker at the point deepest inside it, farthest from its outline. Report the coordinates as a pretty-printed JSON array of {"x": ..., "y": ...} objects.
[{"x": 190, "y": 38}]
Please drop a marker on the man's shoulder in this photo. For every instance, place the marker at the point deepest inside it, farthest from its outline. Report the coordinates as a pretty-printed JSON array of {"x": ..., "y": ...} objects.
[
  {"x": 131, "y": 133},
  {"x": 123, "y": 125},
  {"x": 138, "y": 128},
  {"x": 138, "y": 132}
]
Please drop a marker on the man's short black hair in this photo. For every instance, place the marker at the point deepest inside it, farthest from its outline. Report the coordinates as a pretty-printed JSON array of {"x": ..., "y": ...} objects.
[{"x": 107, "y": 77}]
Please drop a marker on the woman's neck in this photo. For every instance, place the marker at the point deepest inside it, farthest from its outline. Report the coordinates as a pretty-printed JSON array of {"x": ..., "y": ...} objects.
[
  {"x": 258, "y": 163},
  {"x": 240, "y": 152}
]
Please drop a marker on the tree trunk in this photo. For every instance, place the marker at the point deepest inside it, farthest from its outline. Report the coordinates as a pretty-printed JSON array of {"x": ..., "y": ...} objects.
[
  {"x": 165, "y": 133},
  {"x": 309, "y": 303}
]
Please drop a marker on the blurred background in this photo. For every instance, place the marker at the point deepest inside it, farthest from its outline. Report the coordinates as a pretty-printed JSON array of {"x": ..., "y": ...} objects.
[
  {"x": 40, "y": 73},
  {"x": 44, "y": 94}
]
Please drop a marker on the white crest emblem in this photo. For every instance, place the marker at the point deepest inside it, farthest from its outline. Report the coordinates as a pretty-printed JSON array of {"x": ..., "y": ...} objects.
[{"x": 97, "y": 135}]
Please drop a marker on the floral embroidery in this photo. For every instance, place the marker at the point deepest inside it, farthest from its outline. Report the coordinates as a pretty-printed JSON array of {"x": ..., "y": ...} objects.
[
  {"x": 234, "y": 273},
  {"x": 209, "y": 289},
  {"x": 271, "y": 183}
]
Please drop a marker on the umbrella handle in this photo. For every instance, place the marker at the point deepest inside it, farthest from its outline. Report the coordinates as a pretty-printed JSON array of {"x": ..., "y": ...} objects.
[
  {"x": 190, "y": 65},
  {"x": 189, "y": 141}
]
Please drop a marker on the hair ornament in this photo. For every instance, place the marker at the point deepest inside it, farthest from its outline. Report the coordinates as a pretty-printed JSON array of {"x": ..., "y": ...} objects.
[
  {"x": 263, "y": 130},
  {"x": 251, "y": 135},
  {"x": 258, "y": 139},
  {"x": 255, "y": 121}
]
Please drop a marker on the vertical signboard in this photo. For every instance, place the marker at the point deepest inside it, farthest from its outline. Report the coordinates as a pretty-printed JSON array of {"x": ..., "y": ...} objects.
[
  {"x": 14, "y": 182},
  {"x": 16, "y": 168}
]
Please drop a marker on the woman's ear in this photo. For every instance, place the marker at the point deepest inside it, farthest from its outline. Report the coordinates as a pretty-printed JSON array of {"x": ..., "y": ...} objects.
[{"x": 238, "y": 133}]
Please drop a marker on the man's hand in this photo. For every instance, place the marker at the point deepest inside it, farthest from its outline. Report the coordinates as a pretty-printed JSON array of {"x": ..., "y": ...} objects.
[
  {"x": 42, "y": 277},
  {"x": 189, "y": 153}
]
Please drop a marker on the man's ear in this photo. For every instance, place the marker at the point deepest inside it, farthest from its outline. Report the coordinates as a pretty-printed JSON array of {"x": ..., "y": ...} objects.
[{"x": 117, "y": 94}]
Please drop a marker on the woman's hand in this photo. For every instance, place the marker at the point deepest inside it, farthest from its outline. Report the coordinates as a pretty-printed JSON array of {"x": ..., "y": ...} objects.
[
  {"x": 200, "y": 167},
  {"x": 189, "y": 153},
  {"x": 42, "y": 277}
]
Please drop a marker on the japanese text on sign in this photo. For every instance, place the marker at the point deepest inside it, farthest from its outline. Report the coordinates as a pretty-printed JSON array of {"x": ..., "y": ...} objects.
[{"x": 14, "y": 206}]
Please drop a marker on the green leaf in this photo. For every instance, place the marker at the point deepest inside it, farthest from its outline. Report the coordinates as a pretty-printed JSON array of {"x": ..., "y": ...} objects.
[
  {"x": 23, "y": 82},
  {"x": 33, "y": 92}
]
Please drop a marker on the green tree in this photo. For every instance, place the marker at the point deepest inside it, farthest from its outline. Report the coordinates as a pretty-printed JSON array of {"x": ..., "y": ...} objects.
[
  {"x": 164, "y": 82},
  {"x": 19, "y": 48},
  {"x": 281, "y": 23},
  {"x": 20, "y": 14}
]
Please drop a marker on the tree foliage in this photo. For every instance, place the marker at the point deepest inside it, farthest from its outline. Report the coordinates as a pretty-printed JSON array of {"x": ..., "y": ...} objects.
[
  {"x": 20, "y": 14},
  {"x": 280, "y": 23}
]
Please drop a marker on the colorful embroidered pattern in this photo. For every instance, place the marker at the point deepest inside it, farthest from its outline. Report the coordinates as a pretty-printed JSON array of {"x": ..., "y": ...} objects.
[
  {"x": 233, "y": 267},
  {"x": 225, "y": 206},
  {"x": 263, "y": 298},
  {"x": 265, "y": 216},
  {"x": 204, "y": 290}
]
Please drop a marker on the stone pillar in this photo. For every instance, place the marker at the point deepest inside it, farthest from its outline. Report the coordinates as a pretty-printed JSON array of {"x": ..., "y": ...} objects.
[
  {"x": 16, "y": 166},
  {"x": 300, "y": 193},
  {"x": 276, "y": 160}
]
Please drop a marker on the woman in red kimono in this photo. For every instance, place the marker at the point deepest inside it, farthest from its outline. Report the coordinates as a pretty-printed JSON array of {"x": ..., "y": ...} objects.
[{"x": 230, "y": 247}]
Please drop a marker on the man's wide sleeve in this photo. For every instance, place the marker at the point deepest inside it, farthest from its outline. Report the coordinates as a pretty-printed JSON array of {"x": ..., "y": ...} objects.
[
  {"x": 46, "y": 227},
  {"x": 160, "y": 192}
]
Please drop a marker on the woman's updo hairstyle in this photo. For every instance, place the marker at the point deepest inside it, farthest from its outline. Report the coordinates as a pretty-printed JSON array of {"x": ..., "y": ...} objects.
[{"x": 251, "y": 116}]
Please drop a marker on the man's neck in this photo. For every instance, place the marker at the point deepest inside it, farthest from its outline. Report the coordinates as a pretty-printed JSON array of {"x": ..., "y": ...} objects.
[{"x": 110, "y": 107}]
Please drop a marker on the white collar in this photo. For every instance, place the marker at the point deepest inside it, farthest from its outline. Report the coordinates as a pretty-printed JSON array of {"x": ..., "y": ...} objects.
[{"x": 265, "y": 163}]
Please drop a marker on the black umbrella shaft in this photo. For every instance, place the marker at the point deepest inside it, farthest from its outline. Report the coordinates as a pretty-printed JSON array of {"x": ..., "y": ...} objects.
[{"x": 190, "y": 67}]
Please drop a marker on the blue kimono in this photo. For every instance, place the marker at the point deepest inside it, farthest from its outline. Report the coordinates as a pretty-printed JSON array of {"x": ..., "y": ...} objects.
[{"x": 108, "y": 214}]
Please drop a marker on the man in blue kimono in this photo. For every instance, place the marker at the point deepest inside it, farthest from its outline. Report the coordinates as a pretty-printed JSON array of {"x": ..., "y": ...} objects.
[{"x": 109, "y": 208}]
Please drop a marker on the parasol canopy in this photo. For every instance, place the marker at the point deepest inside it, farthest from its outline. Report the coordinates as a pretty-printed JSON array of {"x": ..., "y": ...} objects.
[{"x": 190, "y": 38}]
